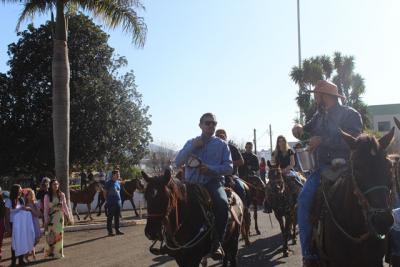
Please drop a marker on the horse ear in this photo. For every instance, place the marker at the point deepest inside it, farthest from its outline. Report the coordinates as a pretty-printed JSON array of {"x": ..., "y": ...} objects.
[
  {"x": 145, "y": 176},
  {"x": 167, "y": 175},
  {"x": 397, "y": 122},
  {"x": 385, "y": 140},
  {"x": 269, "y": 164},
  {"x": 350, "y": 140}
]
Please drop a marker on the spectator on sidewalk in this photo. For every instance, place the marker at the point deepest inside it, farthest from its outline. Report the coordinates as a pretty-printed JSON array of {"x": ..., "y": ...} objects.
[
  {"x": 43, "y": 190},
  {"x": 112, "y": 195},
  {"x": 83, "y": 179},
  {"x": 2, "y": 221},
  {"x": 55, "y": 209},
  {"x": 31, "y": 202},
  {"x": 13, "y": 205}
]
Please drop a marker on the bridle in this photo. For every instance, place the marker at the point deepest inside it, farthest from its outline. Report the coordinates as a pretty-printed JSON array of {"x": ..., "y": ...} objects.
[{"x": 367, "y": 210}]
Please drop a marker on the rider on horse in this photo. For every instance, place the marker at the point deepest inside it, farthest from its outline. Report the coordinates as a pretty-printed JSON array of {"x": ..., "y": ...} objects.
[
  {"x": 237, "y": 159},
  {"x": 250, "y": 166},
  {"x": 216, "y": 161},
  {"x": 326, "y": 143}
]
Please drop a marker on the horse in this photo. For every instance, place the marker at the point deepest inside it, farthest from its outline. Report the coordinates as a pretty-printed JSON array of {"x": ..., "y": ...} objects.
[
  {"x": 127, "y": 191},
  {"x": 257, "y": 195},
  {"x": 85, "y": 196},
  {"x": 281, "y": 195},
  {"x": 356, "y": 212},
  {"x": 180, "y": 216}
]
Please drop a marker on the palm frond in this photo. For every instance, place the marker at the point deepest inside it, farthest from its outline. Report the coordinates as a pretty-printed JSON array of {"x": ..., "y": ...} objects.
[
  {"x": 31, "y": 8},
  {"x": 121, "y": 13}
]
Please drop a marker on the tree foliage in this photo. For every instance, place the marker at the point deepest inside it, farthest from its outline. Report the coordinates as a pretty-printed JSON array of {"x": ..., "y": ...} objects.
[
  {"x": 340, "y": 70},
  {"x": 108, "y": 118}
]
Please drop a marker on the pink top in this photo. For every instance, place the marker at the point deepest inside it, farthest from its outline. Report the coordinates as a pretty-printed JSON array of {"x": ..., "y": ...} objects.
[{"x": 64, "y": 206}]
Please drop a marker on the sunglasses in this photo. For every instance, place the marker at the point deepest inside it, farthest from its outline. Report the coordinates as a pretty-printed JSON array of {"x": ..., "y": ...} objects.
[{"x": 209, "y": 123}]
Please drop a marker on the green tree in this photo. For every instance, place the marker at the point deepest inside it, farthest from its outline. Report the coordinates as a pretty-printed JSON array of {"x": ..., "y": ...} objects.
[
  {"x": 340, "y": 70},
  {"x": 108, "y": 118},
  {"x": 114, "y": 13}
]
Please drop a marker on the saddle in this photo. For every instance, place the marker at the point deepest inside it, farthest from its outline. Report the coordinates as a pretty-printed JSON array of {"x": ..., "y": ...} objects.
[{"x": 235, "y": 206}]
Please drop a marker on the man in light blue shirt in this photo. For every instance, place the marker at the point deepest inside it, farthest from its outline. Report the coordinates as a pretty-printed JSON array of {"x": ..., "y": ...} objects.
[{"x": 216, "y": 162}]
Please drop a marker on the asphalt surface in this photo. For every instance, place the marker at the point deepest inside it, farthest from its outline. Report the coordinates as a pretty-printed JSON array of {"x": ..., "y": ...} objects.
[{"x": 95, "y": 248}]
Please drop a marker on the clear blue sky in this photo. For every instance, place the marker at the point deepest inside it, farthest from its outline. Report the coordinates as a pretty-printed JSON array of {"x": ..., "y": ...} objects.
[{"x": 233, "y": 58}]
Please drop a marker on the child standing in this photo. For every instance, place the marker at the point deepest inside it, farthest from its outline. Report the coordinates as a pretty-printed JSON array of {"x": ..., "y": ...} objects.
[{"x": 30, "y": 201}]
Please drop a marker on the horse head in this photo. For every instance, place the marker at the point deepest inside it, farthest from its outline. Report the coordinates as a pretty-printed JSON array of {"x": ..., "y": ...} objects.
[
  {"x": 275, "y": 178},
  {"x": 372, "y": 179},
  {"x": 157, "y": 196}
]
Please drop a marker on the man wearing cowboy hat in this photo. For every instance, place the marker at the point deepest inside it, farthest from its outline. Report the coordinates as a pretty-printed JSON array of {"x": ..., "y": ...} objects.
[{"x": 326, "y": 144}]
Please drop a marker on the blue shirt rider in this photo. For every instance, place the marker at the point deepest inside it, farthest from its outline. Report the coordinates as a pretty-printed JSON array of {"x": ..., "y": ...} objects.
[
  {"x": 326, "y": 144},
  {"x": 216, "y": 162}
]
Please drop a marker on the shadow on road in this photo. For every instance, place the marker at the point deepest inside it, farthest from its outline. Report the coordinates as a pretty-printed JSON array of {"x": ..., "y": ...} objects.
[
  {"x": 262, "y": 252},
  {"x": 161, "y": 260},
  {"x": 85, "y": 241}
]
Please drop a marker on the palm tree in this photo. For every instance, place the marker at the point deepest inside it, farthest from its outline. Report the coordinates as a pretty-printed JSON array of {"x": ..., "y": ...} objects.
[
  {"x": 339, "y": 69},
  {"x": 114, "y": 13}
]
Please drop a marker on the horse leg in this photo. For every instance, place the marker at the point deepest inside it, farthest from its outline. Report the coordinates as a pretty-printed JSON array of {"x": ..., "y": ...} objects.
[
  {"x": 99, "y": 204},
  {"x": 246, "y": 226},
  {"x": 76, "y": 211},
  {"x": 89, "y": 212},
  {"x": 294, "y": 223},
  {"x": 134, "y": 207},
  {"x": 255, "y": 218}
]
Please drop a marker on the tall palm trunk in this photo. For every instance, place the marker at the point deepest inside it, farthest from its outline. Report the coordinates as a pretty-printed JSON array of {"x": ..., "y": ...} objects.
[{"x": 61, "y": 100}]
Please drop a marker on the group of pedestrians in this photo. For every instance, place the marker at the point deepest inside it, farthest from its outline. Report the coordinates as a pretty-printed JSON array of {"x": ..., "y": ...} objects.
[{"x": 21, "y": 215}]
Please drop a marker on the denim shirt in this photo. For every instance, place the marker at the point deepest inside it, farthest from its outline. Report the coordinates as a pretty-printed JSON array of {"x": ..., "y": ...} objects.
[
  {"x": 327, "y": 124},
  {"x": 215, "y": 154}
]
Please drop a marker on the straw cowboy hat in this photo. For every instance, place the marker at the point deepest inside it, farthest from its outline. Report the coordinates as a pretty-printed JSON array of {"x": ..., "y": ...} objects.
[{"x": 326, "y": 87}]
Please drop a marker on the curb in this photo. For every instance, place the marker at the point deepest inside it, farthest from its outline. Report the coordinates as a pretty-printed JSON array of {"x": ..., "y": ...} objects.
[{"x": 76, "y": 228}]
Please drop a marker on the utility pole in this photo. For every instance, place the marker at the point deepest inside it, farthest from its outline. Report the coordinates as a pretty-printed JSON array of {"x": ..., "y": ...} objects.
[
  {"x": 299, "y": 51},
  {"x": 270, "y": 139},
  {"x": 255, "y": 142}
]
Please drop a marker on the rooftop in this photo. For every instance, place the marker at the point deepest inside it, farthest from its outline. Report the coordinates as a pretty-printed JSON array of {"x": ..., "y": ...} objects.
[{"x": 388, "y": 109}]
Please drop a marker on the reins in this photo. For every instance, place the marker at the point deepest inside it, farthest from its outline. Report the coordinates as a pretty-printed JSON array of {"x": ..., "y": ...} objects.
[{"x": 363, "y": 202}]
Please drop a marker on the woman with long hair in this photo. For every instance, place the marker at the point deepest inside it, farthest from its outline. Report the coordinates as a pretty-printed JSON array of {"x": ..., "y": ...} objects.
[
  {"x": 55, "y": 208},
  {"x": 283, "y": 155},
  {"x": 13, "y": 205}
]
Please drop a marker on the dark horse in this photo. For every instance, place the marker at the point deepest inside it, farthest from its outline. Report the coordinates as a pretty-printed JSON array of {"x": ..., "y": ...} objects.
[
  {"x": 281, "y": 196},
  {"x": 257, "y": 195},
  {"x": 357, "y": 213},
  {"x": 85, "y": 196},
  {"x": 180, "y": 216},
  {"x": 127, "y": 191}
]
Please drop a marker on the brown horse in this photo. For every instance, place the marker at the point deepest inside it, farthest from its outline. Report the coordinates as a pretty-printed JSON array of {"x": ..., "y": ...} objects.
[
  {"x": 85, "y": 196},
  {"x": 127, "y": 191},
  {"x": 356, "y": 213},
  {"x": 281, "y": 196},
  {"x": 180, "y": 216},
  {"x": 257, "y": 195}
]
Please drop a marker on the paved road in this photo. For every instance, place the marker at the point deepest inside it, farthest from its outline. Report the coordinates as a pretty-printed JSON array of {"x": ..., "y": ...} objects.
[{"x": 94, "y": 248}]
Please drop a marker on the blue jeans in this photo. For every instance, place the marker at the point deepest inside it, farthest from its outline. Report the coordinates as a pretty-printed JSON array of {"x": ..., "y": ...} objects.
[
  {"x": 304, "y": 202},
  {"x": 220, "y": 205}
]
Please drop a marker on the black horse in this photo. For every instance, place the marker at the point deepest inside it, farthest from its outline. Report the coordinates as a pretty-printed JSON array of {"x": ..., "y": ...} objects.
[
  {"x": 180, "y": 216},
  {"x": 281, "y": 199},
  {"x": 356, "y": 210}
]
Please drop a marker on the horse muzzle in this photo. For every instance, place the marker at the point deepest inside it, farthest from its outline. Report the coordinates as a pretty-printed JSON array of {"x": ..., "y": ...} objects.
[
  {"x": 152, "y": 235},
  {"x": 380, "y": 220}
]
